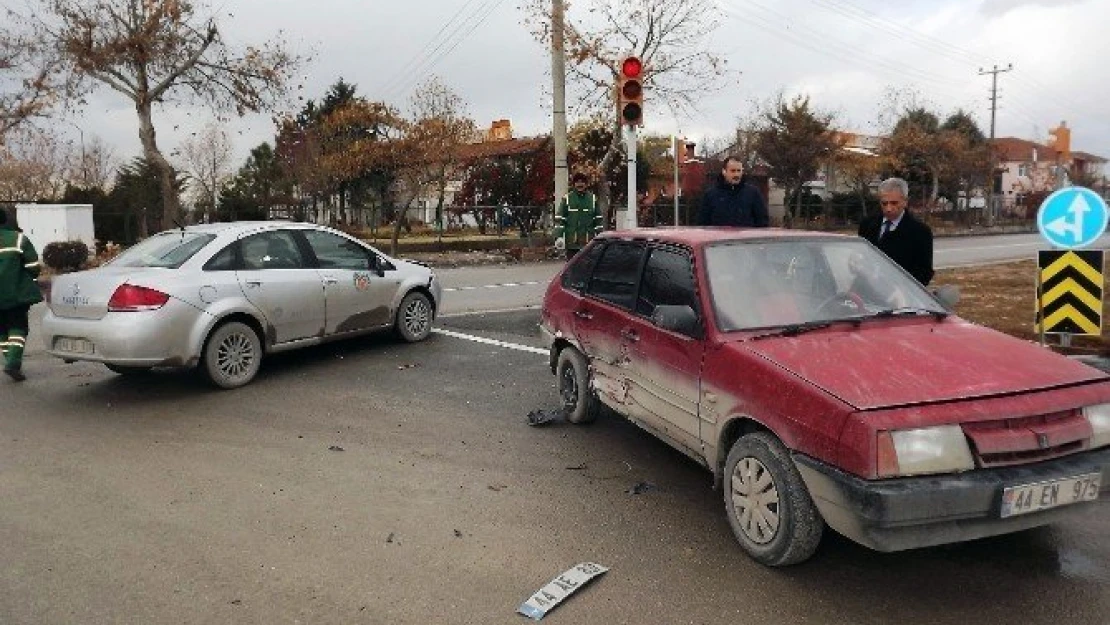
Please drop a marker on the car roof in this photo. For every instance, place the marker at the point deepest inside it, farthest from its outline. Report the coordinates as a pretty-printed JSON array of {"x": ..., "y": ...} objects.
[
  {"x": 241, "y": 227},
  {"x": 701, "y": 236}
]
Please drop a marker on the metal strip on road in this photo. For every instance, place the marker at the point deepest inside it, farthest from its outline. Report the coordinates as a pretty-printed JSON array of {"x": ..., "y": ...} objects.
[{"x": 480, "y": 339}]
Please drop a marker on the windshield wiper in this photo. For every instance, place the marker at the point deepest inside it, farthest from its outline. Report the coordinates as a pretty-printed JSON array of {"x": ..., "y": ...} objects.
[
  {"x": 906, "y": 311},
  {"x": 793, "y": 329}
]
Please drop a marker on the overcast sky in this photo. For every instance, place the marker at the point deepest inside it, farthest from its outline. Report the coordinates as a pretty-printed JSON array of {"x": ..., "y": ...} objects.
[{"x": 843, "y": 53}]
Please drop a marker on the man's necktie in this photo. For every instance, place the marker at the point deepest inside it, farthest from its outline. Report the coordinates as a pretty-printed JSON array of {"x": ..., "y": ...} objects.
[{"x": 886, "y": 229}]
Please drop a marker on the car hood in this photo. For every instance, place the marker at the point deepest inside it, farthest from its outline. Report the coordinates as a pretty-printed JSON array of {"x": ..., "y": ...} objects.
[{"x": 886, "y": 363}]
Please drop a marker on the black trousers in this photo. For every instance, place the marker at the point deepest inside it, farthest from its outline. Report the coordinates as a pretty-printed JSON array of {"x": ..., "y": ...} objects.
[{"x": 14, "y": 319}]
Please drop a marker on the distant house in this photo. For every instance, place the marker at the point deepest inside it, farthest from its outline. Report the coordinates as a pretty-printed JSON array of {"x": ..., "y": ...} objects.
[{"x": 1028, "y": 168}]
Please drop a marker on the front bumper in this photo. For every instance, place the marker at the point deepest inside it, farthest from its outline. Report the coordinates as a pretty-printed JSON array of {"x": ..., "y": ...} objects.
[
  {"x": 913, "y": 512},
  {"x": 140, "y": 339}
]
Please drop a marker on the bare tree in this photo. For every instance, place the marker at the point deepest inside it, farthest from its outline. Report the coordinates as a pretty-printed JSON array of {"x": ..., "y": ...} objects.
[
  {"x": 33, "y": 166},
  {"x": 207, "y": 156},
  {"x": 669, "y": 36},
  {"x": 158, "y": 51},
  {"x": 26, "y": 86},
  {"x": 95, "y": 165},
  {"x": 438, "y": 128}
]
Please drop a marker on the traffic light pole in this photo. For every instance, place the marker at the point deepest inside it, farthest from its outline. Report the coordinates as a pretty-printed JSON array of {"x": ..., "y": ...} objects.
[{"x": 630, "y": 149}]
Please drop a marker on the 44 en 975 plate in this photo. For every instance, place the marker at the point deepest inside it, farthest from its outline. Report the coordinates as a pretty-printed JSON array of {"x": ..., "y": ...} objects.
[{"x": 1029, "y": 498}]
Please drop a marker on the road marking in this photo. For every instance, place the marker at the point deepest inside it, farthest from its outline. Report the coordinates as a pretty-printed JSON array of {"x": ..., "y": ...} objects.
[
  {"x": 484, "y": 341},
  {"x": 502, "y": 285},
  {"x": 492, "y": 311}
]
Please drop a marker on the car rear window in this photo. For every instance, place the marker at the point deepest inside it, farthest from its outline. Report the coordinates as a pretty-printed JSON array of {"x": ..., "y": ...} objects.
[
  {"x": 168, "y": 249},
  {"x": 617, "y": 274},
  {"x": 578, "y": 274}
]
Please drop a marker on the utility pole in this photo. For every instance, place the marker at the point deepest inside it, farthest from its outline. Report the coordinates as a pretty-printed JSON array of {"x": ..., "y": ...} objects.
[
  {"x": 677, "y": 188},
  {"x": 994, "y": 88},
  {"x": 631, "y": 218},
  {"x": 992, "y": 208},
  {"x": 559, "y": 98}
]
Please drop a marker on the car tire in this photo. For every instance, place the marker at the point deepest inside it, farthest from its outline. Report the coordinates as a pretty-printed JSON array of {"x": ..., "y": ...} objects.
[
  {"x": 759, "y": 462},
  {"x": 414, "y": 317},
  {"x": 128, "y": 370},
  {"x": 232, "y": 355},
  {"x": 572, "y": 376}
]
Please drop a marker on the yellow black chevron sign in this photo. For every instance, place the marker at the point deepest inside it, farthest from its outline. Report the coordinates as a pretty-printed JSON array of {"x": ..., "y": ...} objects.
[{"x": 1071, "y": 292}]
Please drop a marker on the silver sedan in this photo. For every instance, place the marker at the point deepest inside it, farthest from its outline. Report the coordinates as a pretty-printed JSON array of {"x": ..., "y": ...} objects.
[{"x": 218, "y": 297}]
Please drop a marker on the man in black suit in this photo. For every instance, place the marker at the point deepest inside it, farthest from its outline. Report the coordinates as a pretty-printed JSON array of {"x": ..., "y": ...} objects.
[{"x": 899, "y": 234}]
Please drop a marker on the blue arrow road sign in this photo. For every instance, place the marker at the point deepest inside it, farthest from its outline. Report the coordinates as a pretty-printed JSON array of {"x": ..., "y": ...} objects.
[{"x": 1073, "y": 217}]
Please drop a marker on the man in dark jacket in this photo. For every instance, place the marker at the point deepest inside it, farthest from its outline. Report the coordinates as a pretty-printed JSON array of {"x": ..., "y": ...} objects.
[
  {"x": 732, "y": 202},
  {"x": 19, "y": 265},
  {"x": 899, "y": 234}
]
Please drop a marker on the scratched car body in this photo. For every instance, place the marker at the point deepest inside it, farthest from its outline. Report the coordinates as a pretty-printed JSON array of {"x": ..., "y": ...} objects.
[
  {"x": 824, "y": 388},
  {"x": 218, "y": 297}
]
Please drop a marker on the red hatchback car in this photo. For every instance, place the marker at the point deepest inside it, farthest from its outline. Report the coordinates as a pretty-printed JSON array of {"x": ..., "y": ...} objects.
[{"x": 822, "y": 385}]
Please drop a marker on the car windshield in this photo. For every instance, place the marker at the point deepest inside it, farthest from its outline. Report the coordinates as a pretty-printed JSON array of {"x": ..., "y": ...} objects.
[
  {"x": 169, "y": 250},
  {"x": 797, "y": 282}
]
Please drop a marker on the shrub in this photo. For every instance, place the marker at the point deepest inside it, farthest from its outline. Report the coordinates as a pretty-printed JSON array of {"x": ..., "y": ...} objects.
[{"x": 64, "y": 256}]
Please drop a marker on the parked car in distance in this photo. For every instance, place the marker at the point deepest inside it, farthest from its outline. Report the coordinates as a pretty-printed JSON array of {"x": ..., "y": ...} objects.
[
  {"x": 824, "y": 387},
  {"x": 219, "y": 297}
]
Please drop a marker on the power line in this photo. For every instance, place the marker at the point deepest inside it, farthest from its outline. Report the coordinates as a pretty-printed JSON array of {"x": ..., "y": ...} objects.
[
  {"x": 452, "y": 26},
  {"x": 994, "y": 89}
]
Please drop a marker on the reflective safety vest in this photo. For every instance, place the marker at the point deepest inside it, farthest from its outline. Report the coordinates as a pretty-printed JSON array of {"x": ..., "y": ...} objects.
[
  {"x": 578, "y": 220},
  {"x": 19, "y": 266}
]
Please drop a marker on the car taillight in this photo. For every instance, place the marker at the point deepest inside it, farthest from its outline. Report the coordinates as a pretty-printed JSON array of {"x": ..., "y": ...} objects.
[{"x": 132, "y": 298}]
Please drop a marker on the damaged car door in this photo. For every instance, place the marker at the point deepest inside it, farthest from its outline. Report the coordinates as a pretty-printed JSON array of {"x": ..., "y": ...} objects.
[{"x": 357, "y": 292}]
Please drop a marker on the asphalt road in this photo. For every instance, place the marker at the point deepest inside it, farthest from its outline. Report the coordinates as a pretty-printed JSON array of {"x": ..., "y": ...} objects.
[
  {"x": 508, "y": 287},
  {"x": 376, "y": 482}
]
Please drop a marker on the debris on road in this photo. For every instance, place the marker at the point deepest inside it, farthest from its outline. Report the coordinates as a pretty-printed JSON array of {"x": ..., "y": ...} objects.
[
  {"x": 410, "y": 365},
  {"x": 641, "y": 487},
  {"x": 542, "y": 417},
  {"x": 458, "y": 534},
  {"x": 389, "y": 539},
  {"x": 581, "y": 467},
  {"x": 335, "y": 448},
  {"x": 497, "y": 487},
  {"x": 545, "y": 599}
]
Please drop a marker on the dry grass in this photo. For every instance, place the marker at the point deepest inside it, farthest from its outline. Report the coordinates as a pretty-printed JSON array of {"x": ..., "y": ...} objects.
[{"x": 1003, "y": 297}]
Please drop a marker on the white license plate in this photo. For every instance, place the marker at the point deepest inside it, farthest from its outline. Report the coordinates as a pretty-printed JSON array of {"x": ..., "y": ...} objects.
[
  {"x": 73, "y": 346},
  {"x": 1029, "y": 498}
]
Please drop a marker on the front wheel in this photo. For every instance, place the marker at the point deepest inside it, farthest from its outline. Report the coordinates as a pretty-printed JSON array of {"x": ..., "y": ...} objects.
[
  {"x": 414, "y": 317},
  {"x": 232, "y": 355},
  {"x": 768, "y": 505}
]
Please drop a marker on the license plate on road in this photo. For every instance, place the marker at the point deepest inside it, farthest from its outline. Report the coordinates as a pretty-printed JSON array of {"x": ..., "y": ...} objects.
[
  {"x": 1029, "y": 498},
  {"x": 73, "y": 346}
]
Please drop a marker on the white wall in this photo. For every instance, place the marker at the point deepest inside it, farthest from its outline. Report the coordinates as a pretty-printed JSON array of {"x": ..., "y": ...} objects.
[{"x": 49, "y": 223}]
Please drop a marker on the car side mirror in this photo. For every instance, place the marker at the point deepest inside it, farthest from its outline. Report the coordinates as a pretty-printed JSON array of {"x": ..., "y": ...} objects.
[
  {"x": 376, "y": 265},
  {"x": 948, "y": 295},
  {"x": 681, "y": 319}
]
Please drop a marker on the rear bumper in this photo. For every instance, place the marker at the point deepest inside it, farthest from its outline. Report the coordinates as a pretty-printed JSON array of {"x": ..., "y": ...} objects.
[
  {"x": 141, "y": 339},
  {"x": 908, "y": 513}
]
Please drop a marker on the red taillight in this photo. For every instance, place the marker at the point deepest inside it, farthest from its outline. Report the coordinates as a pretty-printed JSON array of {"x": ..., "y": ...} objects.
[
  {"x": 132, "y": 298},
  {"x": 886, "y": 456}
]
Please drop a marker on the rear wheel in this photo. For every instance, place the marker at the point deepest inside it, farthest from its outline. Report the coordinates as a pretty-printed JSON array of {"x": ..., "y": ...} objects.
[
  {"x": 414, "y": 317},
  {"x": 127, "y": 370},
  {"x": 769, "y": 507},
  {"x": 573, "y": 381},
  {"x": 232, "y": 355}
]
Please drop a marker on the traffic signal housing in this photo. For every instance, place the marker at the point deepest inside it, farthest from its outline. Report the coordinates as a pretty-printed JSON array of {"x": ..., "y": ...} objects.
[{"x": 630, "y": 91}]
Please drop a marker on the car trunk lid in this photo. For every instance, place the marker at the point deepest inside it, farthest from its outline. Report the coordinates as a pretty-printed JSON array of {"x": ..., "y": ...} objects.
[{"x": 85, "y": 294}]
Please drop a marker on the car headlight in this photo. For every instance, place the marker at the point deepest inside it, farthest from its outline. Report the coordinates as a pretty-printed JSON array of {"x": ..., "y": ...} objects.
[
  {"x": 923, "y": 451},
  {"x": 1099, "y": 418}
]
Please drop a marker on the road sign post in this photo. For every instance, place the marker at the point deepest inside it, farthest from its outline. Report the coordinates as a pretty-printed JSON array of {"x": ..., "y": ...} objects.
[{"x": 1070, "y": 281}]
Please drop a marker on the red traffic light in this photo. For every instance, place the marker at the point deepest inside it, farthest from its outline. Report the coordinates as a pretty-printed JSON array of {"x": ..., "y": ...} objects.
[{"x": 632, "y": 67}]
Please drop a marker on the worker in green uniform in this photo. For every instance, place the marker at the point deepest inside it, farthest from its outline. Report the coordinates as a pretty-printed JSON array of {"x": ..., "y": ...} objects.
[
  {"x": 19, "y": 266},
  {"x": 578, "y": 219}
]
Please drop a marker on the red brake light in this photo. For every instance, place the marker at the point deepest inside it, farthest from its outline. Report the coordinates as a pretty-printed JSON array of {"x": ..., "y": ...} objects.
[{"x": 132, "y": 298}]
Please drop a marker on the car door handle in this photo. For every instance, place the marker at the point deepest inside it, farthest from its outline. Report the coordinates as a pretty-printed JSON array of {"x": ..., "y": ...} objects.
[
  {"x": 330, "y": 280},
  {"x": 583, "y": 314},
  {"x": 630, "y": 335},
  {"x": 254, "y": 284}
]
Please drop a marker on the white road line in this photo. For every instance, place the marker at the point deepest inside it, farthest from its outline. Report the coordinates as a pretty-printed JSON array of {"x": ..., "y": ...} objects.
[
  {"x": 492, "y": 311},
  {"x": 479, "y": 339},
  {"x": 503, "y": 285}
]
